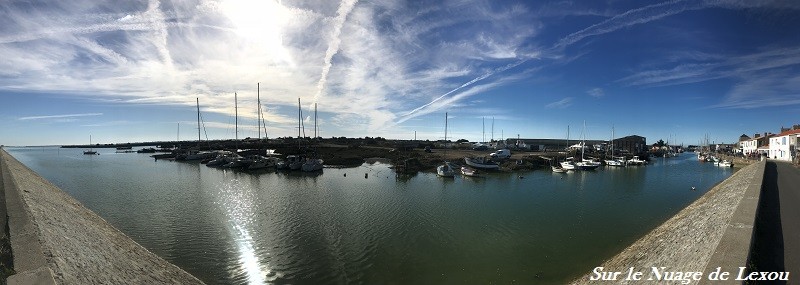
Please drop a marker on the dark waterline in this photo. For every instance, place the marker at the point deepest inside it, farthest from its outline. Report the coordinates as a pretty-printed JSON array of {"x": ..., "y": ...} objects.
[{"x": 228, "y": 227}]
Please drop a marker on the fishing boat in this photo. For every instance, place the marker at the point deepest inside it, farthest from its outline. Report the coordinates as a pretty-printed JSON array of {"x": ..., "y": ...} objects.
[
  {"x": 481, "y": 163},
  {"x": 467, "y": 171},
  {"x": 90, "y": 151}
]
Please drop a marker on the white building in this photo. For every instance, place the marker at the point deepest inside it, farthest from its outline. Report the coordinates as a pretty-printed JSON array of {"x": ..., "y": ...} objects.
[
  {"x": 782, "y": 146},
  {"x": 751, "y": 146}
]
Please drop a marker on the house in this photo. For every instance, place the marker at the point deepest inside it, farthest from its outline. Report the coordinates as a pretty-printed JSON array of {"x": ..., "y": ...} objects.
[
  {"x": 783, "y": 146},
  {"x": 740, "y": 145},
  {"x": 751, "y": 146}
]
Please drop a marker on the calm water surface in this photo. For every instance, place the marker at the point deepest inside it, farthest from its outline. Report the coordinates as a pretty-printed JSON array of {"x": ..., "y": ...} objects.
[{"x": 338, "y": 227}]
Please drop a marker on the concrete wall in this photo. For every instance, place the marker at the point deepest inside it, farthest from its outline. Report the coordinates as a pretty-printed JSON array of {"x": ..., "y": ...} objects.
[{"x": 714, "y": 231}]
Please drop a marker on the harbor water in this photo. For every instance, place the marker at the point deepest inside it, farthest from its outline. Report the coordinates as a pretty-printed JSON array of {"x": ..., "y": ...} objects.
[{"x": 366, "y": 225}]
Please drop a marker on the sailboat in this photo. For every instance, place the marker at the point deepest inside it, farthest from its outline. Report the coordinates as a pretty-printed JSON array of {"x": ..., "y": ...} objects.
[
  {"x": 567, "y": 164},
  {"x": 313, "y": 164},
  {"x": 614, "y": 161},
  {"x": 585, "y": 164},
  {"x": 90, "y": 151},
  {"x": 445, "y": 170}
]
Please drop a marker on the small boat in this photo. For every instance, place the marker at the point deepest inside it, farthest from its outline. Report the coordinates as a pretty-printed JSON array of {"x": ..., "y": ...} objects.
[
  {"x": 615, "y": 162},
  {"x": 567, "y": 165},
  {"x": 293, "y": 162},
  {"x": 312, "y": 164},
  {"x": 146, "y": 150},
  {"x": 558, "y": 169},
  {"x": 724, "y": 163},
  {"x": 445, "y": 170},
  {"x": 223, "y": 158},
  {"x": 587, "y": 165},
  {"x": 636, "y": 161},
  {"x": 90, "y": 151},
  {"x": 466, "y": 171},
  {"x": 260, "y": 162},
  {"x": 481, "y": 163}
]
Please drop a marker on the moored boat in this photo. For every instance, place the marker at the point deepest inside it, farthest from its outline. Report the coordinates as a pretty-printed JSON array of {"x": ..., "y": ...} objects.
[
  {"x": 467, "y": 171},
  {"x": 636, "y": 161},
  {"x": 312, "y": 164},
  {"x": 445, "y": 170},
  {"x": 481, "y": 163}
]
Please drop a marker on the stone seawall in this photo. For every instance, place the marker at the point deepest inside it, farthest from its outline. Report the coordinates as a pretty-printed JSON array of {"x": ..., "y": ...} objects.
[
  {"x": 56, "y": 239},
  {"x": 714, "y": 231}
]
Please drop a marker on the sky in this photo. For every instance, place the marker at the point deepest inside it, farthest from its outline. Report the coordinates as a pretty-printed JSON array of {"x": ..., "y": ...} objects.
[{"x": 134, "y": 71}]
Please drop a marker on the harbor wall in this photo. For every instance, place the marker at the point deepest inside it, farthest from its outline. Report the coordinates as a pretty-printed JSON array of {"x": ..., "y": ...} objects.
[
  {"x": 56, "y": 240},
  {"x": 714, "y": 231}
]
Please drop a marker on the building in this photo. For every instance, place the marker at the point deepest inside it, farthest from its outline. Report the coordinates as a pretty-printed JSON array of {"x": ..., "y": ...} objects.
[
  {"x": 750, "y": 147},
  {"x": 783, "y": 146},
  {"x": 740, "y": 145},
  {"x": 631, "y": 144}
]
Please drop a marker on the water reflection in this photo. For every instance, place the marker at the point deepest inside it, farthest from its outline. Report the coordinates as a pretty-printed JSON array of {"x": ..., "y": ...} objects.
[{"x": 338, "y": 226}]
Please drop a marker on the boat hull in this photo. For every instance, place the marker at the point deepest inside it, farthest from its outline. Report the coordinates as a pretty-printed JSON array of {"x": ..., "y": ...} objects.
[{"x": 476, "y": 163}]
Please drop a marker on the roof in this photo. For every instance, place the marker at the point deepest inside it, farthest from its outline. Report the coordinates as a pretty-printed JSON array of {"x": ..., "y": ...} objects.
[{"x": 789, "y": 132}]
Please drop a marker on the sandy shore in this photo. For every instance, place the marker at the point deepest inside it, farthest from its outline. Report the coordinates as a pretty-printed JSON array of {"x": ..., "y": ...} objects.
[
  {"x": 686, "y": 241},
  {"x": 82, "y": 248}
]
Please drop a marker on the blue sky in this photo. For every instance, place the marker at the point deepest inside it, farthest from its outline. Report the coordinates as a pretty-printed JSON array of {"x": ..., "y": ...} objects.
[{"x": 132, "y": 70}]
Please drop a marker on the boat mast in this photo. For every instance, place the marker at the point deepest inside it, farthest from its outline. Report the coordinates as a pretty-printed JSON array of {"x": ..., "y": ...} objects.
[
  {"x": 236, "y": 112},
  {"x": 483, "y": 121},
  {"x": 315, "y": 120},
  {"x": 258, "y": 100},
  {"x": 198, "y": 120},
  {"x": 583, "y": 139},
  {"x": 299, "y": 119}
]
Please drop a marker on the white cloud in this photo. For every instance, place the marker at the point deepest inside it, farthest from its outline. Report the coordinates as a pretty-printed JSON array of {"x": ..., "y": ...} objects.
[
  {"x": 560, "y": 104},
  {"x": 596, "y": 92}
]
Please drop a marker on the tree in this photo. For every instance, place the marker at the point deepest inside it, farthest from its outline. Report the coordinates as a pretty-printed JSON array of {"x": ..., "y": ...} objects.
[
  {"x": 462, "y": 141},
  {"x": 660, "y": 143}
]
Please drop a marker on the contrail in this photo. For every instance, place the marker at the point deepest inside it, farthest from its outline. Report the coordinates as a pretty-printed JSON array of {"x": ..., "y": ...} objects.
[
  {"x": 629, "y": 18},
  {"x": 59, "y": 116},
  {"x": 341, "y": 15},
  {"x": 411, "y": 113},
  {"x": 633, "y": 17}
]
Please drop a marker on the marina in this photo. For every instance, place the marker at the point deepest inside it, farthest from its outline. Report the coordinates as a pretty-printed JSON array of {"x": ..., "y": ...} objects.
[{"x": 367, "y": 224}]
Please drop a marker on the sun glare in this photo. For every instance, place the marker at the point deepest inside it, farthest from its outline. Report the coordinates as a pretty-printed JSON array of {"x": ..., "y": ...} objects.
[{"x": 260, "y": 22}]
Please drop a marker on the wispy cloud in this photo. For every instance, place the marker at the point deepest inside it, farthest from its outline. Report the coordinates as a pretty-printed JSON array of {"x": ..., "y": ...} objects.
[
  {"x": 560, "y": 104},
  {"x": 596, "y": 92},
  {"x": 58, "y": 116},
  {"x": 715, "y": 67}
]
